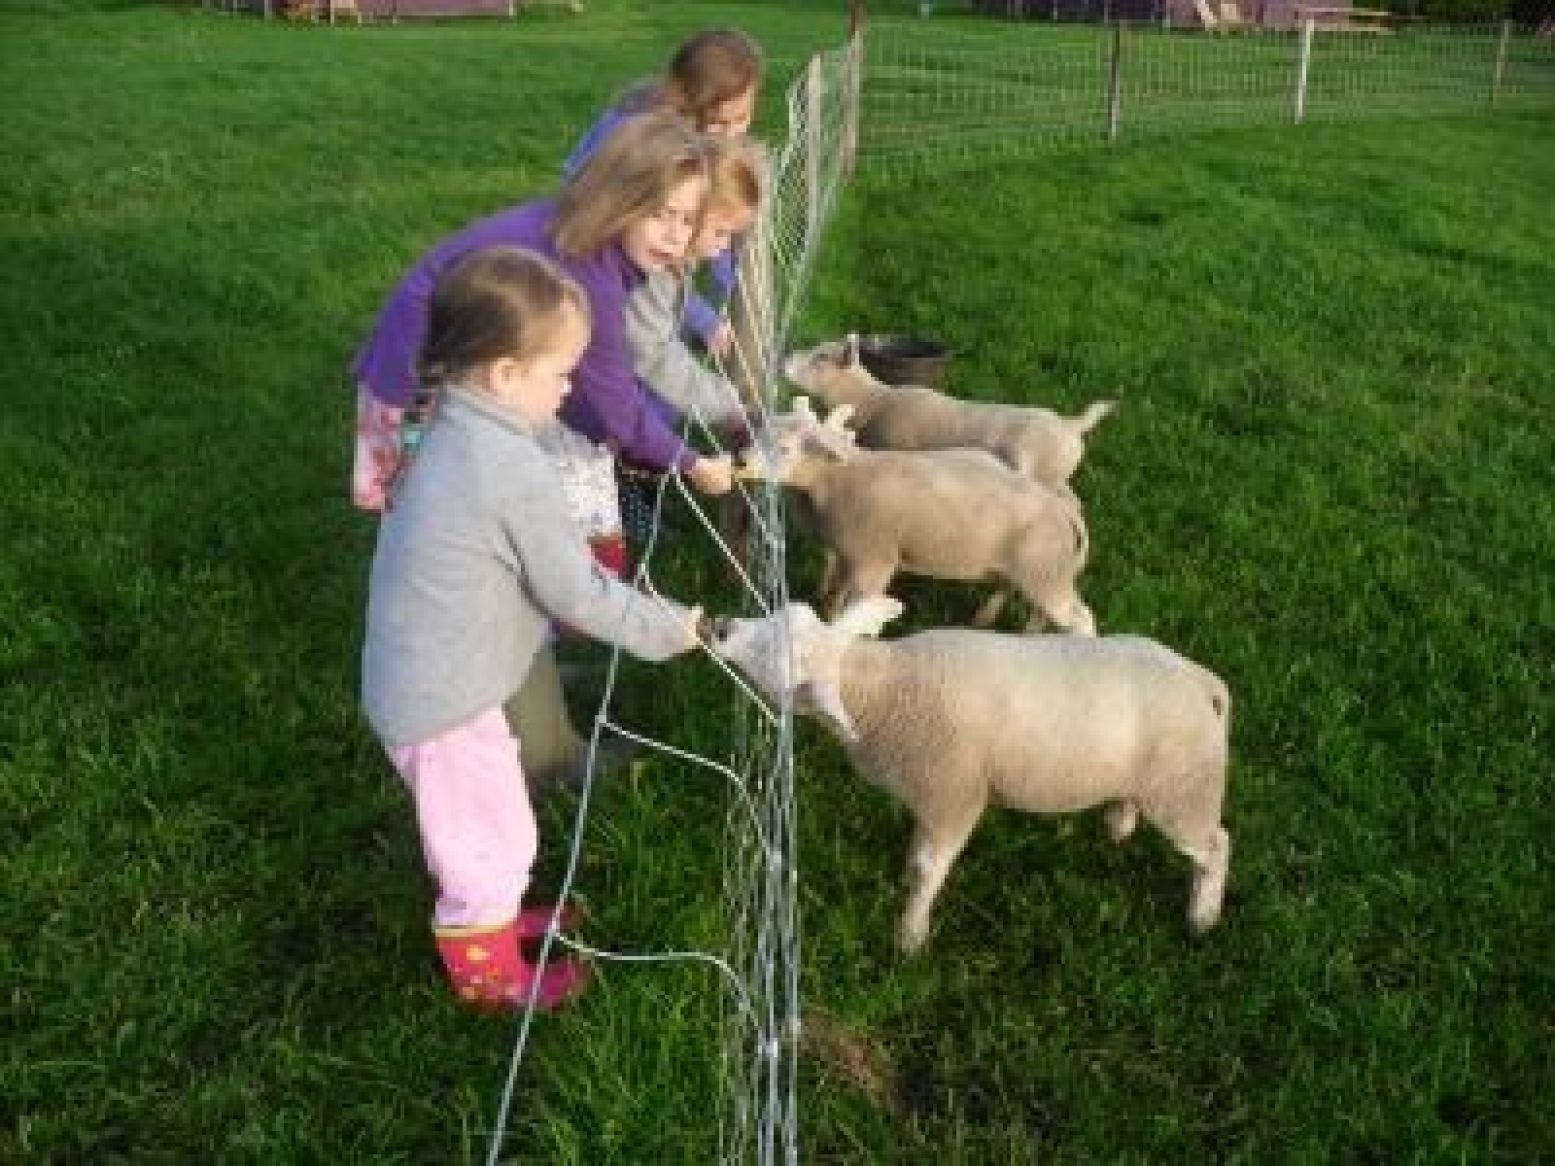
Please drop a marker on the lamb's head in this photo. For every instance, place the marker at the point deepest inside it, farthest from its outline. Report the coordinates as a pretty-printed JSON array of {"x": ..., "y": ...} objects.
[
  {"x": 794, "y": 653},
  {"x": 832, "y": 371},
  {"x": 790, "y": 441}
]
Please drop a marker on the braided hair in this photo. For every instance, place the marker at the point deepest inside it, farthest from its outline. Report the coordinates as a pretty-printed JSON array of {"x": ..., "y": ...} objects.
[{"x": 494, "y": 302}]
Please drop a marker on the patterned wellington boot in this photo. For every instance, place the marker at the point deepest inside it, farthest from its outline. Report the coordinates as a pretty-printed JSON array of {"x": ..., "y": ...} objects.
[{"x": 486, "y": 970}]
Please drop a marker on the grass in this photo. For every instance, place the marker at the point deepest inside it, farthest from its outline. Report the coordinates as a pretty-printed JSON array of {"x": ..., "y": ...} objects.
[{"x": 1328, "y": 479}]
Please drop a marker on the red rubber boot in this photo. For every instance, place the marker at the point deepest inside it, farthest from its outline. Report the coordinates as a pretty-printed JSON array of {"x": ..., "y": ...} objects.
[{"x": 486, "y": 970}]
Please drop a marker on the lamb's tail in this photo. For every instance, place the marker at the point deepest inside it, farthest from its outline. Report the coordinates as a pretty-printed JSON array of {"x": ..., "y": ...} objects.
[
  {"x": 1219, "y": 697},
  {"x": 1092, "y": 416}
]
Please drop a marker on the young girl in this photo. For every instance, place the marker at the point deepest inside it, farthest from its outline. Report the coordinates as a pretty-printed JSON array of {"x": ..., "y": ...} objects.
[
  {"x": 628, "y": 212},
  {"x": 712, "y": 83},
  {"x": 736, "y": 173},
  {"x": 476, "y": 556}
]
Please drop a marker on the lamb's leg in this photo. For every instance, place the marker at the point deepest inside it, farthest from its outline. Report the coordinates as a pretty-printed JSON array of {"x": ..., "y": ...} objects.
[
  {"x": 1080, "y": 620},
  {"x": 1064, "y": 610},
  {"x": 932, "y": 853},
  {"x": 823, "y": 591},
  {"x": 1210, "y": 852},
  {"x": 1196, "y": 833},
  {"x": 991, "y": 608},
  {"x": 1211, "y": 860}
]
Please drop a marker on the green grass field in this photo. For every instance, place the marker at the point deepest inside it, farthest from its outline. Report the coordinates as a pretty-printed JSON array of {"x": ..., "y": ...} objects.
[{"x": 1329, "y": 479}]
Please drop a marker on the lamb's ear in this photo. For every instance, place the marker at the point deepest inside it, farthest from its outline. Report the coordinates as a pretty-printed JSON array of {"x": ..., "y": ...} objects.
[
  {"x": 837, "y": 443},
  {"x": 850, "y": 350},
  {"x": 865, "y": 617},
  {"x": 839, "y": 417}
]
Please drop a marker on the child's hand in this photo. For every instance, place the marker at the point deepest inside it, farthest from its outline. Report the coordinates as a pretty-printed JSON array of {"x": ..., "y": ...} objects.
[
  {"x": 712, "y": 475},
  {"x": 722, "y": 340},
  {"x": 696, "y": 627}
]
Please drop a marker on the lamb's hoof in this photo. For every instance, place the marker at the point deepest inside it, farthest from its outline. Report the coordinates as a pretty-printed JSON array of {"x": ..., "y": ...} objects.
[
  {"x": 1200, "y": 922},
  {"x": 910, "y": 940},
  {"x": 1122, "y": 819}
]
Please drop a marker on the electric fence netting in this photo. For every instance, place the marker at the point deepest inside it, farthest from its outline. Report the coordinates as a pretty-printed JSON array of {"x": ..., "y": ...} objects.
[
  {"x": 759, "y": 969},
  {"x": 936, "y": 89}
]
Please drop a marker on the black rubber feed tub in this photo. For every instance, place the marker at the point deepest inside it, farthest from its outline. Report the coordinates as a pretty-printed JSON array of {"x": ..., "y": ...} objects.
[{"x": 904, "y": 360}]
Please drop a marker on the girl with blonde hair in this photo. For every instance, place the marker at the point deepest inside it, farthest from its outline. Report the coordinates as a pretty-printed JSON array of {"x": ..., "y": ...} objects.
[{"x": 685, "y": 385}]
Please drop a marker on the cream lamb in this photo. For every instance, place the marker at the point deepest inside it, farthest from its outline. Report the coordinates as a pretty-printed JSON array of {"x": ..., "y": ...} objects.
[
  {"x": 951, "y": 720},
  {"x": 948, "y": 514},
  {"x": 1033, "y": 441}
]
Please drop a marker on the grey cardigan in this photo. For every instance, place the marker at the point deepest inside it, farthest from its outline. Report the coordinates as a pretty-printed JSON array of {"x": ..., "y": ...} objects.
[
  {"x": 661, "y": 359},
  {"x": 476, "y": 556}
]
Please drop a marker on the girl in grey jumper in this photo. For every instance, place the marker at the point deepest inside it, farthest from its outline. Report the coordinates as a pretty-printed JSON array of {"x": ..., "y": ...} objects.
[
  {"x": 656, "y": 310},
  {"x": 679, "y": 383},
  {"x": 477, "y": 555}
]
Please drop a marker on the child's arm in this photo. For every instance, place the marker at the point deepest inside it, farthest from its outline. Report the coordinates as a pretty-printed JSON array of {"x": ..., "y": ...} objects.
[
  {"x": 664, "y": 363},
  {"x": 566, "y": 583},
  {"x": 702, "y": 319},
  {"x": 607, "y": 405}
]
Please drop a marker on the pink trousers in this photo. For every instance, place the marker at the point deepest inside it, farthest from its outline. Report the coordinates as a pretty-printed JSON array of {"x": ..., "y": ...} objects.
[{"x": 477, "y": 826}]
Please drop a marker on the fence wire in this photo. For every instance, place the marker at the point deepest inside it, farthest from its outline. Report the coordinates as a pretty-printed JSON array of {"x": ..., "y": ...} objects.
[{"x": 759, "y": 1001}]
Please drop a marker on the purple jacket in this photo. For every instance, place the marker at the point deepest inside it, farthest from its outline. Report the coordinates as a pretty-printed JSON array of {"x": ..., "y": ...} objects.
[
  {"x": 606, "y": 404},
  {"x": 701, "y": 317}
]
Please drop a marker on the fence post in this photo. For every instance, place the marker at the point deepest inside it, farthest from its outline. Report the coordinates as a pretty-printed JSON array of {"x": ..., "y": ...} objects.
[
  {"x": 1500, "y": 71},
  {"x": 855, "y": 83},
  {"x": 814, "y": 84},
  {"x": 1301, "y": 69},
  {"x": 1114, "y": 75}
]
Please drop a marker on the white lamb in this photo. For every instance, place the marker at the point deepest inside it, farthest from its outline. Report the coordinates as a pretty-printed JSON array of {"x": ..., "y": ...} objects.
[
  {"x": 1033, "y": 441},
  {"x": 951, "y": 720},
  {"x": 948, "y": 514}
]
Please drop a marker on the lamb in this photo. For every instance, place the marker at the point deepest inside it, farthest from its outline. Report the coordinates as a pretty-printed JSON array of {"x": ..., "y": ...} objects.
[
  {"x": 950, "y": 720},
  {"x": 1036, "y": 442},
  {"x": 950, "y": 514}
]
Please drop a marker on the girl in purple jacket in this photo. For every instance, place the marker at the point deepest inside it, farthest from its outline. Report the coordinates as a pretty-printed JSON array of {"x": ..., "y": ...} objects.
[{"x": 628, "y": 211}]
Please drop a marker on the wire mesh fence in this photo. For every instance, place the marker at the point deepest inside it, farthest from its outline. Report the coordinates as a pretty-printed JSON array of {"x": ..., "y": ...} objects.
[
  {"x": 934, "y": 88},
  {"x": 760, "y": 1048},
  {"x": 758, "y": 1012}
]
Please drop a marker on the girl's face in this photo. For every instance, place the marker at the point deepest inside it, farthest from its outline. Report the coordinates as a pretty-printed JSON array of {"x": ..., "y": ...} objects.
[
  {"x": 659, "y": 240},
  {"x": 732, "y": 117},
  {"x": 534, "y": 386},
  {"x": 720, "y": 224}
]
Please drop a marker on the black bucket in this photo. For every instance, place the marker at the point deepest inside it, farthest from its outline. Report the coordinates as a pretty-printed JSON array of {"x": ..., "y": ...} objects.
[{"x": 904, "y": 360}]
